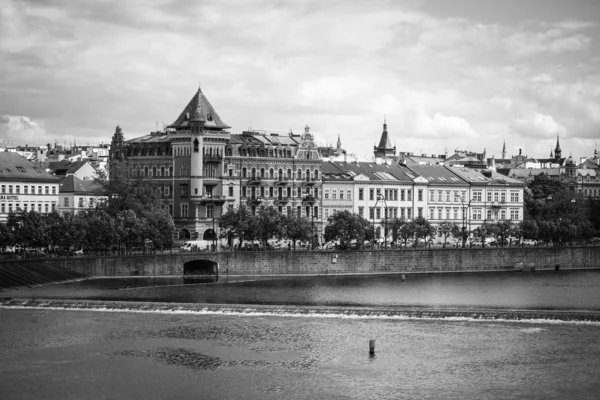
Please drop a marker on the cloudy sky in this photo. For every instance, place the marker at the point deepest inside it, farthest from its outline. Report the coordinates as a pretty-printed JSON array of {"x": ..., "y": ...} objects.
[{"x": 447, "y": 74}]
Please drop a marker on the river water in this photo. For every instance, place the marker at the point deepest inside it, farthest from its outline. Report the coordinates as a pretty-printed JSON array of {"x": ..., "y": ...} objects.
[{"x": 463, "y": 336}]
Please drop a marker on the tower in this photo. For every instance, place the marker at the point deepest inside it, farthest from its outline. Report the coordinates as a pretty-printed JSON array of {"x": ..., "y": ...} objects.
[
  {"x": 385, "y": 148},
  {"x": 117, "y": 145},
  {"x": 504, "y": 150},
  {"x": 557, "y": 150},
  {"x": 339, "y": 144}
]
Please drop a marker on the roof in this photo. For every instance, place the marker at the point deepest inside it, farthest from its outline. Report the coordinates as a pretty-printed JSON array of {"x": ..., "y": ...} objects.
[
  {"x": 152, "y": 138},
  {"x": 371, "y": 170},
  {"x": 438, "y": 175},
  {"x": 476, "y": 176},
  {"x": 384, "y": 142},
  {"x": 72, "y": 184},
  {"x": 524, "y": 173},
  {"x": 66, "y": 167},
  {"x": 13, "y": 167},
  {"x": 199, "y": 109}
]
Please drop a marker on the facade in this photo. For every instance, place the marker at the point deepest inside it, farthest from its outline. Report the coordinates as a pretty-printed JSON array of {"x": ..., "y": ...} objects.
[
  {"x": 202, "y": 169},
  {"x": 25, "y": 186},
  {"x": 77, "y": 195}
]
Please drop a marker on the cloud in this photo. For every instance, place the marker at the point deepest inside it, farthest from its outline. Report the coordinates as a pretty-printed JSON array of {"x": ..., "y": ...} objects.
[
  {"x": 21, "y": 130},
  {"x": 537, "y": 125}
]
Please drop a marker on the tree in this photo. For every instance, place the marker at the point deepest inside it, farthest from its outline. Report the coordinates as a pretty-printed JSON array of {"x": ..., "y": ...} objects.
[
  {"x": 501, "y": 231},
  {"x": 395, "y": 224},
  {"x": 484, "y": 231},
  {"x": 547, "y": 231},
  {"x": 547, "y": 198},
  {"x": 268, "y": 224},
  {"x": 423, "y": 229},
  {"x": 238, "y": 222},
  {"x": 160, "y": 227},
  {"x": 407, "y": 232},
  {"x": 296, "y": 228},
  {"x": 346, "y": 227},
  {"x": 461, "y": 233},
  {"x": 530, "y": 229},
  {"x": 445, "y": 228}
]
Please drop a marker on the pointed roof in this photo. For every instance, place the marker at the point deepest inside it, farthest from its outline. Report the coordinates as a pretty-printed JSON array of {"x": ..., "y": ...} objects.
[
  {"x": 199, "y": 109},
  {"x": 557, "y": 150},
  {"x": 385, "y": 142}
]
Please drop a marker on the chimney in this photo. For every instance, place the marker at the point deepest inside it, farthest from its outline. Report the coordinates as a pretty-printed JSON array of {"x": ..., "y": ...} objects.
[{"x": 345, "y": 157}]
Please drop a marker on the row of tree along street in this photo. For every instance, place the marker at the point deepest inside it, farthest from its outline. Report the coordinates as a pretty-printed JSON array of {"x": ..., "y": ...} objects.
[{"x": 134, "y": 215}]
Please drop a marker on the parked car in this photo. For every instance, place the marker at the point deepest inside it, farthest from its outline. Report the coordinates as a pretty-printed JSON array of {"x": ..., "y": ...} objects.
[{"x": 78, "y": 252}]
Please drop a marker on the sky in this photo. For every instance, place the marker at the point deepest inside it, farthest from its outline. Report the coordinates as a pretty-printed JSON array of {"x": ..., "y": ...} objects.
[{"x": 444, "y": 74}]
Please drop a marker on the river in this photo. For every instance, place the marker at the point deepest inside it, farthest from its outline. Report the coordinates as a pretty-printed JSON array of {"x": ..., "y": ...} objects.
[{"x": 463, "y": 336}]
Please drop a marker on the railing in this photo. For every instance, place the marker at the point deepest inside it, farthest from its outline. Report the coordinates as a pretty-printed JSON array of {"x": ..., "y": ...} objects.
[{"x": 212, "y": 158}]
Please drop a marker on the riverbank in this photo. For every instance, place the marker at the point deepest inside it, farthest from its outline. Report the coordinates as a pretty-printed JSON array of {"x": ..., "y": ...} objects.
[{"x": 334, "y": 263}]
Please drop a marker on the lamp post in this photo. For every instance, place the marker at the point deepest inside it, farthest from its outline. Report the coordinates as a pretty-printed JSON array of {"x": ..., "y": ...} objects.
[
  {"x": 381, "y": 197},
  {"x": 464, "y": 218}
]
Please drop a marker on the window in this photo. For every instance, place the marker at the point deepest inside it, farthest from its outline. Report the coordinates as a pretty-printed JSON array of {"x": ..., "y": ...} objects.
[
  {"x": 244, "y": 193},
  {"x": 25, "y": 207},
  {"x": 271, "y": 192},
  {"x": 431, "y": 213},
  {"x": 326, "y": 213},
  {"x": 334, "y": 194},
  {"x": 40, "y": 208},
  {"x": 409, "y": 195},
  {"x": 26, "y": 189},
  {"x": 488, "y": 215},
  {"x": 10, "y": 189},
  {"x": 440, "y": 194},
  {"x": 371, "y": 212},
  {"x": 361, "y": 211},
  {"x": 514, "y": 197},
  {"x": 18, "y": 189},
  {"x": 477, "y": 196},
  {"x": 66, "y": 202},
  {"x": 432, "y": 195},
  {"x": 53, "y": 207},
  {"x": 91, "y": 202},
  {"x": 378, "y": 212},
  {"x": 503, "y": 214},
  {"x": 361, "y": 194},
  {"x": 477, "y": 212},
  {"x": 3, "y": 188},
  {"x": 184, "y": 190},
  {"x": 455, "y": 213},
  {"x": 46, "y": 208},
  {"x": 402, "y": 198},
  {"x": 447, "y": 213},
  {"x": 32, "y": 189},
  {"x": 341, "y": 195},
  {"x": 210, "y": 210},
  {"x": 455, "y": 196},
  {"x": 371, "y": 194},
  {"x": 230, "y": 191},
  {"x": 420, "y": 195},
  {"x": 420, "y": 212},
  {"x": 514, "y": 213},
  {"x": 167, "y": 190},
  {"x": 402, "y": 213},
  {"x": 439, "y": 213},
  {"x": 80, "y": 202},
  {"x": 53, "y": 189},
  {"x": 10, "y": 207},
  {"x": 184, "y": 210},
  {"x": 348, "y": 194}
]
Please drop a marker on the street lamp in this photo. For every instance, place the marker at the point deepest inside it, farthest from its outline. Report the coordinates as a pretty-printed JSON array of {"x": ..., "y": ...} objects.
[
  {"x": 380, "y": 197},
  {"x": 464, "y": 218}
]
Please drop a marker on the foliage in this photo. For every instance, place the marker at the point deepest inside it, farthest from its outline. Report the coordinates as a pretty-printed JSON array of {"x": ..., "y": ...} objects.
[
  {"x": 407, "y": 232},
  {"x": 461, "y": 233},
  {"x": 501, "y": 230},
  {"x": 445, "y": 228},
  {"x": 394, "y": 225},
  {"x": 239, "y": 222},
  {"x": 530, "y": 229},
  {"x": 483, "y": 232},
  {"x": 423, "y": 229},
  {"x": 268, "y": 224},
  {"x": 296, "y": 228},
  {"x": 346, "y": 227},
  {"x": 546, "y": 198}
]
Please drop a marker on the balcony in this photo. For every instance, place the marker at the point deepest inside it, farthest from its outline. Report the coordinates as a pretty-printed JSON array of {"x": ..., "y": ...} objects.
[
  {"x": 309, "y": 199},
  {"x": 282, "y": 200},
  {"x": 255, "y": 180},
  {"x": 212, "y": 158},
  {"x": 497, "y": 204},
  {"x": 256, "y": 201},
  {"x": 281, "y": 182},
  {"x": 310, "y": 182},
  {"x": 209, "y": 199}
]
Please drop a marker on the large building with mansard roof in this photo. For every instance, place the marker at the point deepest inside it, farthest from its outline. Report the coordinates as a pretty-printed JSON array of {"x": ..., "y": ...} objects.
[{"x": 202, "y": 168}]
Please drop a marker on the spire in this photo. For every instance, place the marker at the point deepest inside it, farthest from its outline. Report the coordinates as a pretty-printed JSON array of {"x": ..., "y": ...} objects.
[
  {"x": 339, "y": 142},
  {"x": 385, "y": 148},
  {"x": 504, "y": 149},
  {"x": 557, "y": 151}
]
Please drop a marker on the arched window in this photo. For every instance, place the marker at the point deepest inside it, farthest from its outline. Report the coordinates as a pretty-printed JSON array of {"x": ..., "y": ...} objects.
[
  {"x": 146, "y": 172},
  {"x": 316, "y": 174},
  {"x": 280, "y": 174},
  {"x": 153, "y": 171},
  {"x": 307, "y": 175},
  {"x": 299, "y": 174},
  {"x": 228, "y": 152},
  {"x": 289, "y": 174},
  {"x": 262, "y": 172},
  {"x": 254, "y": 172},
  {"x": 244, "y": 172},
  {"x": 162, "y": 171},
  {"x": 271, "y": 173},
  {"x": 196, "y": 145},
  {"x": 171, "y": 171}
]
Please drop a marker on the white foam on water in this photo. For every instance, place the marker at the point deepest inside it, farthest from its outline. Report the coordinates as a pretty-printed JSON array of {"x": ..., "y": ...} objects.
[{"x": 302, "y": 313}]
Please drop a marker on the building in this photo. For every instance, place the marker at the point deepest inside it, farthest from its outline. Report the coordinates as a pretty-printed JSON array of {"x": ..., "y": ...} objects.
[
  {"x": 202, "y": 168},
  {"x": 77, "y": 195},
  {"x": 83, "y": 169},
  {"x": 25, "y": 186}
]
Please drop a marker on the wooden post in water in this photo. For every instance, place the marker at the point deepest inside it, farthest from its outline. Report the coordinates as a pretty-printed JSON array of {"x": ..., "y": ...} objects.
[
  {"x": 372, "y": 347},
  {"x": 403, "y": 277}
]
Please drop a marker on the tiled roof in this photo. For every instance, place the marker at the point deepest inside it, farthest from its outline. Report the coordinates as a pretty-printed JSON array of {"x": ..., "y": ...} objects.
[
  {"x": 438, "y": 175},
  {"x": 373, "y": 171},
  {"x": 13, "y": 167},
  {"x": 484, "y": 177},
  {"x": 152, "y": 138},
  {"x": 199, "y": 109},
  {"x": 72, "y": 184},
  {"x": 65, "y": 167}
]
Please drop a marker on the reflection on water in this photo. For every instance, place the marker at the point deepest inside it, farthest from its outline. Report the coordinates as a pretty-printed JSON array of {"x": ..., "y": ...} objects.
[{"x": 539, "y": 290}]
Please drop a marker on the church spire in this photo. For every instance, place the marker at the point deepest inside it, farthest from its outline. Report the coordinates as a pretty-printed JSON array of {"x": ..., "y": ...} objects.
[
  {"x": 385, "y": 148},
  {"x": 339, "y": 142},
  {"x": 504, "y": 150},
  {"x": 557, "y": 150}
]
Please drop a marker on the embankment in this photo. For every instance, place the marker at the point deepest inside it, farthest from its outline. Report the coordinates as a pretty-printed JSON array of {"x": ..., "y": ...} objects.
[{"x": 337, "y": 263}]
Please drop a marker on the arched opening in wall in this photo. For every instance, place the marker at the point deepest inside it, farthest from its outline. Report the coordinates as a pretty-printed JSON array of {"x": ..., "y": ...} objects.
[
  {"x": 209, "y": 234},
  {"x": 184, "y": 233},
  {"x": 200, "y": 271}
]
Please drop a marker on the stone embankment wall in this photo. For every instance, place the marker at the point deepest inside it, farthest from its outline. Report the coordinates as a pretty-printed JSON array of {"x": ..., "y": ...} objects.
[{"x": 341, "y": 263}]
